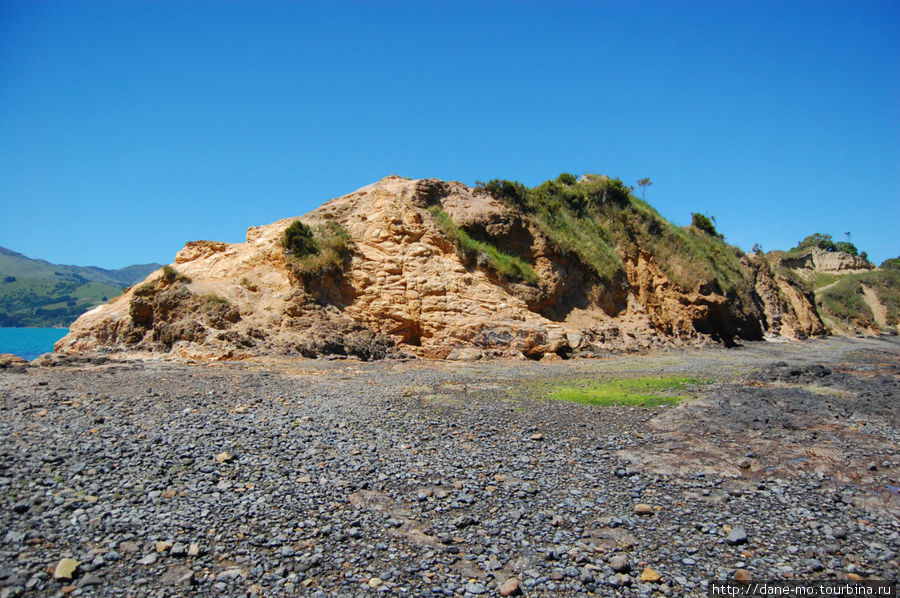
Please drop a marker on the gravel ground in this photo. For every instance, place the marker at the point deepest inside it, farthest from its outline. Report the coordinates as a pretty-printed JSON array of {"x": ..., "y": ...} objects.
[{"x": 327, "y": 478}]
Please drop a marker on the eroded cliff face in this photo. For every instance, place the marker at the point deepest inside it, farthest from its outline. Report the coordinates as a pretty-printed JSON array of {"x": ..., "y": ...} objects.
[
  {"x": 407, "y": 290},
  {"x": 788, "y": 309},
  {"x": 820, "y": 260}
]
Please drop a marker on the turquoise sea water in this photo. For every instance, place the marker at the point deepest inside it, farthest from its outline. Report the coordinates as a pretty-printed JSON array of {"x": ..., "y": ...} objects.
[{"x": 29, "y": 342}]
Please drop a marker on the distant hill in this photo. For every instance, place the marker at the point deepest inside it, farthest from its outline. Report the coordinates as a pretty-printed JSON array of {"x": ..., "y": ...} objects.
[{"x": 38, "y": 293}]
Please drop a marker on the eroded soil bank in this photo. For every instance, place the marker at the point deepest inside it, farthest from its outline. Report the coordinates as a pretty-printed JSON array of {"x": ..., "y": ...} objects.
[{"x": 439, "y": 479}]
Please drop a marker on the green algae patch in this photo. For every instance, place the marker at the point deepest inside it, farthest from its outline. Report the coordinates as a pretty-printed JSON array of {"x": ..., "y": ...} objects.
[{"x": 646, "y": 391}]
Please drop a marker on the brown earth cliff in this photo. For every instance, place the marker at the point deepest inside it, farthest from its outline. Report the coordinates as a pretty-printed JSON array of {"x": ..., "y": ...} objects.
[
  {"x": 408, "y": 290},
  {"x": 821, "y": 260}
]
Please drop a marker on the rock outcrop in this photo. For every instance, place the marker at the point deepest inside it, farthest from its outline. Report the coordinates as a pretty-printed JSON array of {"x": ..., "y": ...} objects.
[
  {"x": 788, "y": 308},
  {"x": 8, "y": 360},
  {"x": 820, "y": 260},
  {"x": 407, "y": 289}
]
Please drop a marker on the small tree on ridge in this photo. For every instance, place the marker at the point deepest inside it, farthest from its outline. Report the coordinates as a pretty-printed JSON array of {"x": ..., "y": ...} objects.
[{"x": 643, "y": 184}]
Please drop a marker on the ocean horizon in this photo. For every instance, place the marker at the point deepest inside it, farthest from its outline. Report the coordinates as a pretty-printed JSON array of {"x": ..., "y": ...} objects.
[{"x": 30, "y": 343}]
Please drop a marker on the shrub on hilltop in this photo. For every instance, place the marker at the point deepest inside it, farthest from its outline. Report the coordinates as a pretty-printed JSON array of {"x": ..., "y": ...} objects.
[
  {"x": 826, "y": 243},
  {"x": 704, "y": 223}
]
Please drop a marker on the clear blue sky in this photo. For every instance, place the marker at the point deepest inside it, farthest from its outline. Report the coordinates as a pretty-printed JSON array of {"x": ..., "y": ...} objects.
[{"x": 130, "y": 128}]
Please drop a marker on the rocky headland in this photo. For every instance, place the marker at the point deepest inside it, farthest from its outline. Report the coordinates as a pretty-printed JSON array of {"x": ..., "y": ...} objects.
[{"x": 436, "y": 269}]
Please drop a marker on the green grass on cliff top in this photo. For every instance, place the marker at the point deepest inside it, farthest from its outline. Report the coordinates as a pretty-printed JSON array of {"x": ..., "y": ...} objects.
[
  {"x": 644, "y": 391},
  {"x": 600, "y": 221}
]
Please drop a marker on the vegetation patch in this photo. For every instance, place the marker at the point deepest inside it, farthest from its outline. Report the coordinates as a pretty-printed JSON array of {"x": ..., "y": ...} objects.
[
  {"x": 822, "y": 279},
  {"x": 509, "y": 267},
  {"x": 563, "y": 209},
  {"x": 826, "y": 243},
  {"x": 171, "y": 275},
  {"x": 213, "y": 299},
  {"x": 845, "y": 301},
  {"x": 316, "y": 252},
  {"x": 598, "y": 220},
  {"x": 891, "y": 263},
  {"x": 645, "y": 391},
  {"x": 146, "y": 288},
  {"x": 704, "y": 223},
  {"x": 298, "y": 240},
  {"x": 692, "y": 258}
]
